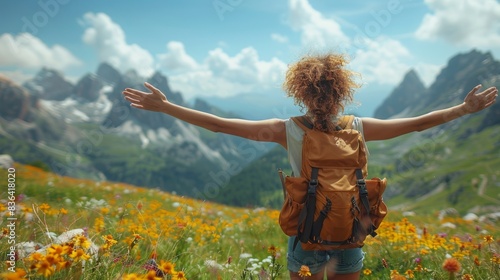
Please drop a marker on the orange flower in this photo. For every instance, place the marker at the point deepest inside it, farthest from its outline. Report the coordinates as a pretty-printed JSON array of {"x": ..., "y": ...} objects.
[
  {"x": 488, "y": 239},
  {"x": 467, "y": 277},
  {"x": 152, "y": 276},
  {"x": 398, "y": 277},
  {"x": 410, "y": 274},
  {"x": 451, "y": 265},
  {"x": 79, "y": 254},
  {"x": 81, "y": 241},
  {"x": 44, "y": 268},
  {"x": 304, "y": 271},
  {"x": 131, "y": 276},
  {"x": 167, "y": 267},
  {"x": 273, "y": 250},
  {"x": 477, "y": 262},
  {"x": 179, "y": 275},
  {"x": 44, "y": 207},
  {"x": 19, "y": 274}
]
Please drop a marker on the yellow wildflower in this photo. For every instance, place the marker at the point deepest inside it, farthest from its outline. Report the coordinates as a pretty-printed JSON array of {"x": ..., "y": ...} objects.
[
  {"x": 57, "y": 250},
  {"x": 273, "y": 250},
  {"x": 99, "y": 224},
  {"x": 81, "y": 241},
  {"x": 410, "y": 273},
  {"x": 151, "y": 276},
  {"x": 488, "y": 239},
  {"x": 179, "y": 275},
  {"x": 131, "y": 276},
  {"x": 36, "y": 256},
  {"x": 44, "y": 207},
  {"x": 108, "y": 242},
  {"x": 367, "y": 271},
  {"x": 467, "y": 277},
  {"x": 79, "y": 254},
  {"x": 495, "y": 259},
  {"x": 167, "y": 267},
  {"x": 304, "y": 271},
  {"x": 44, "y": 268},
  {"x": 17, "y": 275}
]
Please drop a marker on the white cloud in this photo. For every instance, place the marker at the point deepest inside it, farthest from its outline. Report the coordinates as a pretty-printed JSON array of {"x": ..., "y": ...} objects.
[
  {"x": 381, "y": 61},
  {"x": 176, "y": 58},
  {"x": 223, "y": 75},
  {"x": 378, "y": 59},
  {"x": 27, "y": 51},
  {"x": 462, "y": 22},
  {"x": 279, "y": 38},
  {"x": 317, "y": 31},
  {"x": 108, "y": 39}
]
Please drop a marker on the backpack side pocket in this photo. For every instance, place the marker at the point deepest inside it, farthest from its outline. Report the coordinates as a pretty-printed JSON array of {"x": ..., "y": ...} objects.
[{"x": 295, "y": 196}]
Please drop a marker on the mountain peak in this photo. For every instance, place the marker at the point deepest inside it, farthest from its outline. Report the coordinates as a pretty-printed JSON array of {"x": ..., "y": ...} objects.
[
  {"x": 403, "y": 96},
  {"x": 49, "y": 84},
  {"x": 108, "y": 73}
]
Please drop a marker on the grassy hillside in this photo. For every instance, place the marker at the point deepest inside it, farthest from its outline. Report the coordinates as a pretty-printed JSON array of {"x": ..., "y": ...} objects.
[
  {"x": 124, "y": 228},
  {"x": 448, "y": 167}
]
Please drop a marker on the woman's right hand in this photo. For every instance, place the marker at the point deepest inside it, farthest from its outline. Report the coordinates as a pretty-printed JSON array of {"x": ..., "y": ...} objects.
[
  {"x": 154, "y": 100},
  {"x": 476, "y": 101}
]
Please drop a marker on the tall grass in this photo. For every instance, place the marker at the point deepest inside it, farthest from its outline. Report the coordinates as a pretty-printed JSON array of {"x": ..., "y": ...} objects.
[{"x": 127, "y": 232}]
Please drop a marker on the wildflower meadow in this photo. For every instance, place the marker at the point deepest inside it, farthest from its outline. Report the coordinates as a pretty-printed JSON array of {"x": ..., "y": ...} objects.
[{"x": 56, "y": 227}]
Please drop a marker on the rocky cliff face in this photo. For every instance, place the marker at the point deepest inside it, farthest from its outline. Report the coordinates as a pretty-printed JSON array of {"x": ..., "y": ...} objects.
[
  {"x": 14, "y": 100},
  {"x": 50, "y": 85},
  {"x": 402, "y": 98},
  {"x": 88, "y": 88},
  {"x": 25, "y": 119},
  {"x": 88, "y": 128},
  {"x": 108, "y": 74},
  {"x": 463, "y": 72}
]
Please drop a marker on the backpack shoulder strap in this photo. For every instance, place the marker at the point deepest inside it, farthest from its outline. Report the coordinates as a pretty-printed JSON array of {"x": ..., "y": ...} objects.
[
  {"x": 345, "y": 122},
  {"x": 303, "y": 122}
]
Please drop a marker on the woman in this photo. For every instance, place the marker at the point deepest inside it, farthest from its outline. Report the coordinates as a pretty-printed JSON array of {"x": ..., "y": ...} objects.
[{"x": 323, "y": 86}]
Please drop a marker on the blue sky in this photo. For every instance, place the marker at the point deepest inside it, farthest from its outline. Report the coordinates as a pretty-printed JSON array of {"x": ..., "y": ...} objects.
[{"x": 224, "y": 48}]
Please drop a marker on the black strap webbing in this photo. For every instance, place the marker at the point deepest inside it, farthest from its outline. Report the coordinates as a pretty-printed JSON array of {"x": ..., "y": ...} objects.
[
  {"x": 306, "y": 217},
  {"x": 363, "y": 196},
  {"x": 318, "y": 224}
]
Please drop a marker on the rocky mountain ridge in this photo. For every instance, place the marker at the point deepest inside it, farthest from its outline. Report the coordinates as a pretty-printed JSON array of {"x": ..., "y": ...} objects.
[{"x": 87, "y": 129}]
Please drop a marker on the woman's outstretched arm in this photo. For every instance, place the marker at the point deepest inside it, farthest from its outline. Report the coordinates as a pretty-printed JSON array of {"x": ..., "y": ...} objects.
[
  {"x": 376, "y": 129},
  {"x": 270, "y": 130}
]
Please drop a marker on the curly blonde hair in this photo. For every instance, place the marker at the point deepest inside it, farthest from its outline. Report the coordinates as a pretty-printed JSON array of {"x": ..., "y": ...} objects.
[{"x": 322, "y": 85}]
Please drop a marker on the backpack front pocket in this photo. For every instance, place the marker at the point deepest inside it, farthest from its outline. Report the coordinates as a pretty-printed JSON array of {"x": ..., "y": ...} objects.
[{"x": 336, "y": 211}]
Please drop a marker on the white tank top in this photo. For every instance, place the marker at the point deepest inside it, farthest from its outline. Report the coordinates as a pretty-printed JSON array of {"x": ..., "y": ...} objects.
[{"x": 294, "y": 135}]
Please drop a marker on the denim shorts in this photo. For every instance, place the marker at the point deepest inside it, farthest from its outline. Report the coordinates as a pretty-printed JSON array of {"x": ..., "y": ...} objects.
[{"x": 345, "y": 261}]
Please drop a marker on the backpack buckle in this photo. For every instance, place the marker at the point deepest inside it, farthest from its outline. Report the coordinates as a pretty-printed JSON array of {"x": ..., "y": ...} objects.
[
  {"x": 311, "y": 189},
  {"x": 362, "y": 187}
]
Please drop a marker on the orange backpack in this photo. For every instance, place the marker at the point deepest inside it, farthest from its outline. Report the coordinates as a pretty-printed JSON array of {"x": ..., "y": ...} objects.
[{"x": 331, "y": 205}]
